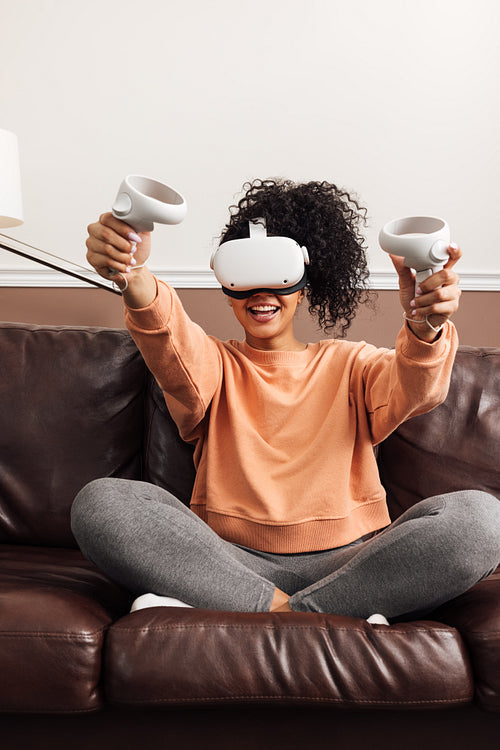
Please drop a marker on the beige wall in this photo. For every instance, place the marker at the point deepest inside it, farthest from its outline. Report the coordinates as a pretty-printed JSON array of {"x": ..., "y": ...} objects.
[
  {"x": 478, "y": 320},
  {"x": 397, "y": 101}
]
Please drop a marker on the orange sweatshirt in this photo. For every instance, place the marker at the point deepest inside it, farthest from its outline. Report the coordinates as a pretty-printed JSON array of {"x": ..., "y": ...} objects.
[{"x": 284, "y": 440}]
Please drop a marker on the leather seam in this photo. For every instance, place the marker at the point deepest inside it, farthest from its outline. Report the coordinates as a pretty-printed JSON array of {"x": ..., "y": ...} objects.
[
  {"x": 294, "y": 698},
  {"x": 260, "y": 627},
  {"x": 55, "y": 636}
]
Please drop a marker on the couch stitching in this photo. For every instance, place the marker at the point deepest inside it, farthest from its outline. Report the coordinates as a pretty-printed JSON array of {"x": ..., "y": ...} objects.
[
  {"x": 55, "y": 636},
  {"x": 260, "y": 627},
  {"x": 294, "y": 698}
]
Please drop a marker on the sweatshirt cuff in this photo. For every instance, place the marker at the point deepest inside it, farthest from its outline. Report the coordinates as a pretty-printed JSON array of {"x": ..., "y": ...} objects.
[
  {"x": 155, "y": 316},
  {"x": 414, "y": 348}
]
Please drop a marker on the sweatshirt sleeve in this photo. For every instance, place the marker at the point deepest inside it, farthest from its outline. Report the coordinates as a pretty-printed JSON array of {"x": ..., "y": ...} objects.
[
  {"x": 412, "y": 379},
  {"x": 185, "y": 361}
]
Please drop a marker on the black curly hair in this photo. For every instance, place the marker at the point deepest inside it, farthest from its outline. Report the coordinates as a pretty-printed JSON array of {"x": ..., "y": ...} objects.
[{"x": 327, "y": 220}]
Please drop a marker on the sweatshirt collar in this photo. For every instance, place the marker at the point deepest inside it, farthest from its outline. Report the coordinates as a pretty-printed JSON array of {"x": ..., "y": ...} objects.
[{"x": 264, "y": 357}]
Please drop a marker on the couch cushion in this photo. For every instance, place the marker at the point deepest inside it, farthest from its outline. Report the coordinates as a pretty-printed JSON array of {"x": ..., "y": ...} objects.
[
  {"x": 168, "y": 460},
  {"x": 167, "y": 656},
  {"x": 71, "y": 410},
  {"x": 54, "y": 610},
  {"x": 453, "y": 447},
  {"x": 477, "y": 615}
]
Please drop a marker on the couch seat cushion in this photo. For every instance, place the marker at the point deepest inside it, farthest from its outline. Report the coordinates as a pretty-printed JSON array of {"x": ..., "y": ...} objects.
[
  {"x": 54, "y": 610},
  {"x": 477, "y": 615},
  {"x": 163, "y": 656}
]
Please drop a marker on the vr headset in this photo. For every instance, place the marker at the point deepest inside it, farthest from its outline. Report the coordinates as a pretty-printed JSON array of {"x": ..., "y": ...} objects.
[{"x": 260, "y": 264}]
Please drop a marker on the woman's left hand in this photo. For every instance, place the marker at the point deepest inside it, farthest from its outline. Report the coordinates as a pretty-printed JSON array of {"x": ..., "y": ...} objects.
[{"x": 436, "y": 298}]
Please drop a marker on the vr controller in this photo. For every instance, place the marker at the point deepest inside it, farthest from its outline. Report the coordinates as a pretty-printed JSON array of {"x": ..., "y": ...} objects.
[
  {"x": 260, "y": 264},
  {"x": 422, "y": 240},
  {"x": 142, "y": 201}
]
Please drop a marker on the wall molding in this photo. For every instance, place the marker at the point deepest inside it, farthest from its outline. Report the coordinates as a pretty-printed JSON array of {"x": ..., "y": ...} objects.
[
  {"x": 203, "y": 279},
  {"x": 469, "y": 281}
]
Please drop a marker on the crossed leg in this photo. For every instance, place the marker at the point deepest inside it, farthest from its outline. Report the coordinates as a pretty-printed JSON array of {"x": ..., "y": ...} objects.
[{"x": 147, "y": 540}]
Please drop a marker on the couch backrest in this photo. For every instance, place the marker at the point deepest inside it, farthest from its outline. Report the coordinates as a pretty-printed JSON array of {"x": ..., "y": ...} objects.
[
  {"x": 456, "y": 445},
  {"x": 168, "y": 460},
  {"x": 71, "y": 410},
  {"x": 78, "y": 403}
]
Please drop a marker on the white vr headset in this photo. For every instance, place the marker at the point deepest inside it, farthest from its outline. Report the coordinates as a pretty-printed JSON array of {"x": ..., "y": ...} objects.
[{"x": 260, "y": 264}]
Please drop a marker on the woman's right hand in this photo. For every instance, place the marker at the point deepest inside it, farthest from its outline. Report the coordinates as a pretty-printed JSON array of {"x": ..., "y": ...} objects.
[{"x": 114, "y": 248}]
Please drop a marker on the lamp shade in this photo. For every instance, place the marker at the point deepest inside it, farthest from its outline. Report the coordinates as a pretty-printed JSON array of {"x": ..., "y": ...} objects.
[{"x": 11, "y": 207}]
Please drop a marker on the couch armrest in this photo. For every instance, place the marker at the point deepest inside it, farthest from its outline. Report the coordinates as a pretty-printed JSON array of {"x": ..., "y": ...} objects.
[{"x": 476, "y": 615}]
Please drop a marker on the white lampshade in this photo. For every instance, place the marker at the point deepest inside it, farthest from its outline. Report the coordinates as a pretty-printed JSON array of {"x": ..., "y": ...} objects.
[{"x": 11, "y": 206}]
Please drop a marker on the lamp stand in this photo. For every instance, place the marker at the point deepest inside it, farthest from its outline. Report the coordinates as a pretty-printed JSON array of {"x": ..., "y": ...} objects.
[{"x": 24, "y": 254}]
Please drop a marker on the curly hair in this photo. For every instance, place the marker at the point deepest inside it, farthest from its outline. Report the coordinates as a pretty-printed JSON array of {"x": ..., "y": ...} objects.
[{"x": 327, "y": 220}]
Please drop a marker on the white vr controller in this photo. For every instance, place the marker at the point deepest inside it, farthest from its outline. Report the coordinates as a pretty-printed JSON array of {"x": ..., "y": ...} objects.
[
  {"x": 423, "y": 241},
  {"x": 142, "y": 201}
]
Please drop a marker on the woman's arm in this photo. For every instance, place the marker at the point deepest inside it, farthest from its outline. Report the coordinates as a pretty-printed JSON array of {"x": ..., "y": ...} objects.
[
  {"x": 411, "y": 379},
  {"x": 414, "y": 378},
  {"x": 184, "y": 360}
]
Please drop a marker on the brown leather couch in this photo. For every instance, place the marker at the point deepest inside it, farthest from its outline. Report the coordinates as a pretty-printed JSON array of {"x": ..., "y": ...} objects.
[{"x": 77, "y": 670}]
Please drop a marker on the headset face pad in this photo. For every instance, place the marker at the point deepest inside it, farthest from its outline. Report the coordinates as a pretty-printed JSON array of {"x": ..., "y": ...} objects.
[{"x": 281, "y": 292}]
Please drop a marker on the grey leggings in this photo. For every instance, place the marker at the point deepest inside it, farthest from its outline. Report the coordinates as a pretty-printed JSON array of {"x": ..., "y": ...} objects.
[{"x": 148, "y": 541}]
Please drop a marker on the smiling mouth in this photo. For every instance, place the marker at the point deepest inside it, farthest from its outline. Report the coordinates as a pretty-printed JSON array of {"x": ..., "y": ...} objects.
[{"x": 263, "y": 313}]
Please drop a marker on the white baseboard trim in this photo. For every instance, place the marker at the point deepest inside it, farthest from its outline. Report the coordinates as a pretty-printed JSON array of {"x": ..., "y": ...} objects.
[{"x": 203, "y": 279}]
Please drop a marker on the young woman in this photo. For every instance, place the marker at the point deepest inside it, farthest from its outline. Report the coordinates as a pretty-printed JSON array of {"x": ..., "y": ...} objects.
[{"x": 288, "y": 512}]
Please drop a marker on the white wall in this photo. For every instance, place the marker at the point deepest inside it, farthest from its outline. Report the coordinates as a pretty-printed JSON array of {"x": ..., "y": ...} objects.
[{"x": 396, "y": 100}]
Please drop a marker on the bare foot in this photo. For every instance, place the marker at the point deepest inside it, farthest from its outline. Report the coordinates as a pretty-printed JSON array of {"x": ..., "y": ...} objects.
[{"x": 280, "y": 602}]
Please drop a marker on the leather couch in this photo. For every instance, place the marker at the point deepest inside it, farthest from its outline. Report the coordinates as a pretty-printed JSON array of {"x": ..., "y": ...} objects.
[{"x": 78, "y": 670}]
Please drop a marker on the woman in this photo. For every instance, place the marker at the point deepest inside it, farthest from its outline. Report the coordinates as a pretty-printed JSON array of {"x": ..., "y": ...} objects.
[{"x": 288, "y": 512}]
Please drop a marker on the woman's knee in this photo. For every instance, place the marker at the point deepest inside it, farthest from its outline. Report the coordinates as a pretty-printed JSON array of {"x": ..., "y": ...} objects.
[
  {"x": 110, "y": 506},
  {"x": 90, "y": 506},
  {"x": 475, "y": 509},
  {"x": 474, "y": 530},
  {"x": 485, "y": 515}
]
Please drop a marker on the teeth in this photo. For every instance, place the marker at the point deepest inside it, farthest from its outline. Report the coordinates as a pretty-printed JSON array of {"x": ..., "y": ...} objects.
[{"x": 264, "y": 308}]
